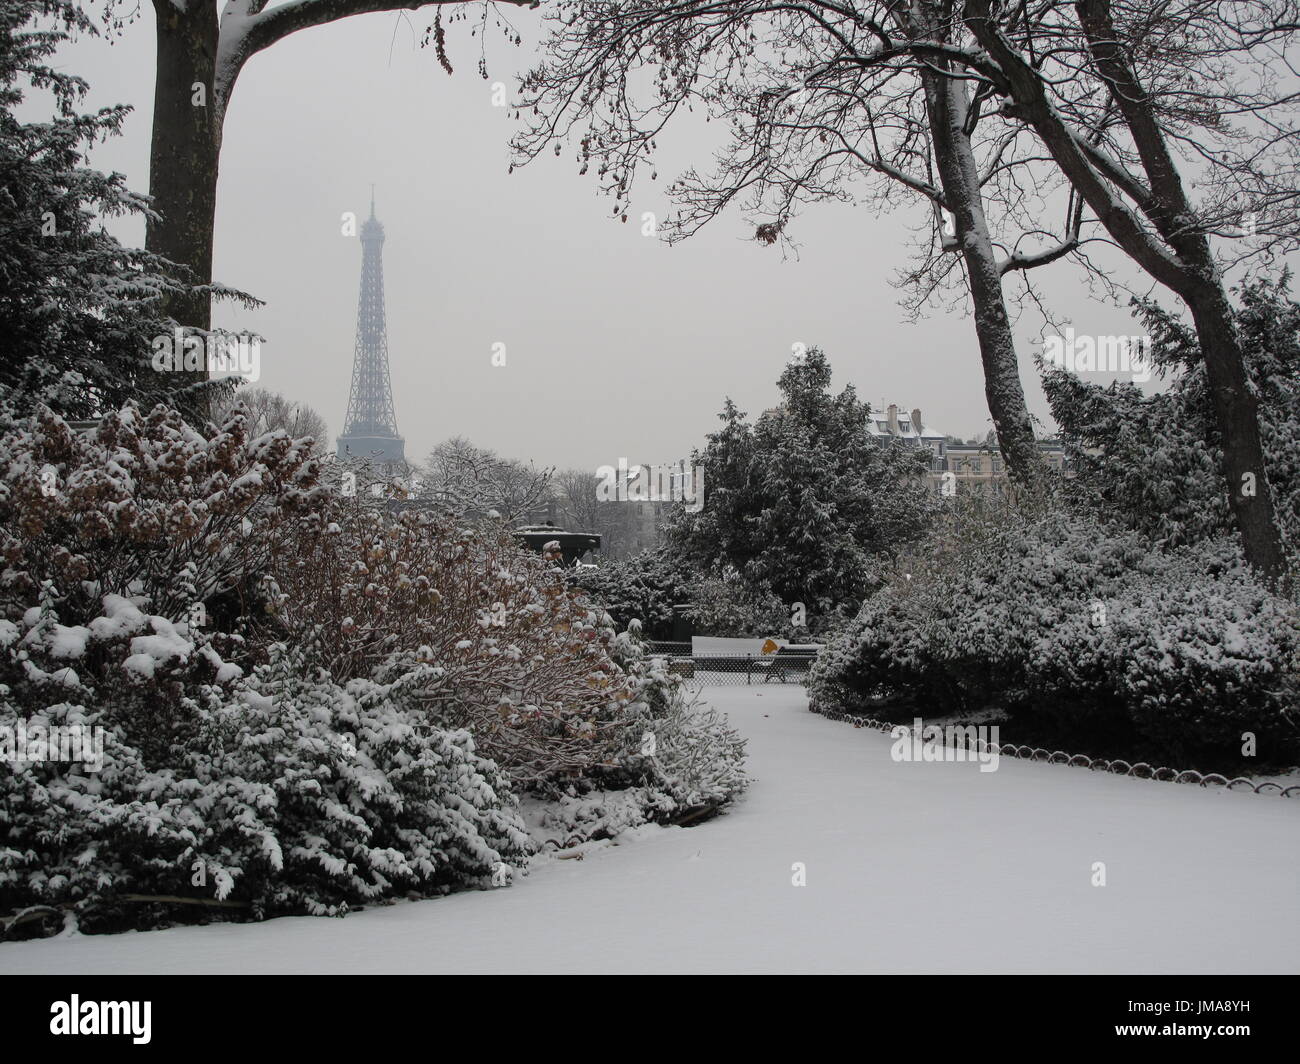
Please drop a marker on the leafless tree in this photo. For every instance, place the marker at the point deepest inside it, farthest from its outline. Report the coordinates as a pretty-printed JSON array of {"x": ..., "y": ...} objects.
[
  {"x": 1115, "y": 94},
  {"x": 619, "y": 524},
  {"x": 575, "y": 493},
  {"x": 809, "y": 122},
  {"x": 268, "y": 410},
  {"x": 474, "y": 480}
]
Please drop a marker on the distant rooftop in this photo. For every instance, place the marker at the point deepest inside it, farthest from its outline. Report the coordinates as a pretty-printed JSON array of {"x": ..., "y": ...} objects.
[{"x": 894, "y": 421}]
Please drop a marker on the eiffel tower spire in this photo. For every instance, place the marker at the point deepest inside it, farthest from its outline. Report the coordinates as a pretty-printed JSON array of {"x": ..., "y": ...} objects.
[{"x": 371, "y": 425}]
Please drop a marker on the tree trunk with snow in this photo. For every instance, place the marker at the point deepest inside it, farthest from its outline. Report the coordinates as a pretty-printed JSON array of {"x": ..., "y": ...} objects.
[
  {"x": 1172, "y": 251},
  {"x": 946, "y": 106},
  {"x": 1236, "y": 412}
]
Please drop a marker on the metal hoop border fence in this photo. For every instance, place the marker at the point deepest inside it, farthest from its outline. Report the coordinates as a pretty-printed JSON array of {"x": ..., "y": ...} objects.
[{"x": 1141, "y": 770}]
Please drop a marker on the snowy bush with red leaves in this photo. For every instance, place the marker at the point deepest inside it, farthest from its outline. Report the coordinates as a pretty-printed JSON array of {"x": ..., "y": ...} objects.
[
  {"x": 463, "y": 625},
  {"x": 470, "y": 631},
  {"x": 235, "y": 769},
  {"x": 678, "y": 761},
  {"x": 306, "y": 701}
]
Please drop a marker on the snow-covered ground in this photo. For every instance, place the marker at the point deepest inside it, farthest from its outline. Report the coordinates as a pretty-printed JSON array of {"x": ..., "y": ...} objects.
[{"x": 911, "y": 867}]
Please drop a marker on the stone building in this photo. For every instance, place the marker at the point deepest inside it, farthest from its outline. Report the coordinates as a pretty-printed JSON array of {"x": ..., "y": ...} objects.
[{"x": 955, "y": 467}]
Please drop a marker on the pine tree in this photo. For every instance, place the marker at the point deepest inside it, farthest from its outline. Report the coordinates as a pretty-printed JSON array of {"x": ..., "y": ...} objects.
[
  {"x": 803, "y": 500},
  {"x": 78, "y": 310},
  {"x": 1152, "y": 461}
]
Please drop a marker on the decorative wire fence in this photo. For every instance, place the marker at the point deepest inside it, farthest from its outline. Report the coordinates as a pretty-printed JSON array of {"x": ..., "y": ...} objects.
[
  {"x": 737, "y": 669},
  {"x": 1141, "y": 770}
]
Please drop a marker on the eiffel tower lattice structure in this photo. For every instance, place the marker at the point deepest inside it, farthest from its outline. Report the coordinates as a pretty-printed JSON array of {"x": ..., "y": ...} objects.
[{"x": 370, "y": 430}]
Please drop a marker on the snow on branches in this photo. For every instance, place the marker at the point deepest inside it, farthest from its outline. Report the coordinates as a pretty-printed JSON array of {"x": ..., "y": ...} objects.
[
  {"x": 301, "y": 700},
  {"x": 1081, "y": 629}
]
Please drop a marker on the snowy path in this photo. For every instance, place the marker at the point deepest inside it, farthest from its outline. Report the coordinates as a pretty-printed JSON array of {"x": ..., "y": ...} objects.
[{"x": 910, "y": 868}]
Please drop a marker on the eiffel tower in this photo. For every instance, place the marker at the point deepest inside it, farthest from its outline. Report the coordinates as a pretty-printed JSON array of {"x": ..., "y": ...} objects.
[{"x": 371, "y": 425}]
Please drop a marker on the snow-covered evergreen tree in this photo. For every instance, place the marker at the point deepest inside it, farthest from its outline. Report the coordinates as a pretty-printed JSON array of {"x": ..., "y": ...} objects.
[
  {"x": 730, "y": 606},
  {"x": 1152, "y": 461},
  {"x": 643, "y": 588},
  {"x": 803, "y": 499}
]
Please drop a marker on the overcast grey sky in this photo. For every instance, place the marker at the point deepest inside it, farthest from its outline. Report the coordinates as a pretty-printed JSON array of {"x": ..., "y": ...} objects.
[{"x": 615, "y": 344}]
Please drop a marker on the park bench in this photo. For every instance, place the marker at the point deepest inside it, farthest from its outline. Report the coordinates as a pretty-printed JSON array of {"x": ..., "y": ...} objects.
[{"x": 787, "y": 660}]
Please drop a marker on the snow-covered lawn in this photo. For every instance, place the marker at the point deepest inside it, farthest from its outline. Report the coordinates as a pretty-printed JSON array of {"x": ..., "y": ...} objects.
[{"x": 911, "y": 867}]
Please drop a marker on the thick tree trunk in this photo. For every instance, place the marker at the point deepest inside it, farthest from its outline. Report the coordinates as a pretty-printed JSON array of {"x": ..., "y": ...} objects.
[
  {"x": 186, "y": 146},
  {"x": 1236, "y": 413},
  {"x": 946, "y": 106}
]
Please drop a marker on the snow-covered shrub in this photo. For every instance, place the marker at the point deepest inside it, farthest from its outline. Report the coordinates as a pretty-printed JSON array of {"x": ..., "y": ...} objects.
[
  {"x": 284, "y": 791},
  {"x": 734, "y": 607},
  {"x": 642, "y": 588},
  {"x": 677, "y": 758},
  {"x": 1049, "y": 614},
  {"x": 133, "y": 599},
  {"x": 299, "y": 692},
  {"x": 1208, "y": 652},
  {"x": 238, "y": 537},
  {"x": 145, "y": 505},
  {"x": 463, "y": 625},
  {"x": 468, "y": 629}
]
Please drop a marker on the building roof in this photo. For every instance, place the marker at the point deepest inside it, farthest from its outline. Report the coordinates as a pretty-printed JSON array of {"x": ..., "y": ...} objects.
[{"x": 878, "y": 425}]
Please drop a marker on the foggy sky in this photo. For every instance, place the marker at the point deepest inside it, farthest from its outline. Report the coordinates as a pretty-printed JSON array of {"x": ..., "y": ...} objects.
[{"x": 616, "y": 346}]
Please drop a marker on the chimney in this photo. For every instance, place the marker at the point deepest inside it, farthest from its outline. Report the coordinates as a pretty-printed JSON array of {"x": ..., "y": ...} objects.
[
  {"x": 893, "y": 419},
  {"x": 916, "y": 421}
]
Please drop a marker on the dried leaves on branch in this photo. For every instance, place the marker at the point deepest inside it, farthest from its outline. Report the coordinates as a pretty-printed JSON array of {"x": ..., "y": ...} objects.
[{"x": 307, "y": 701}]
